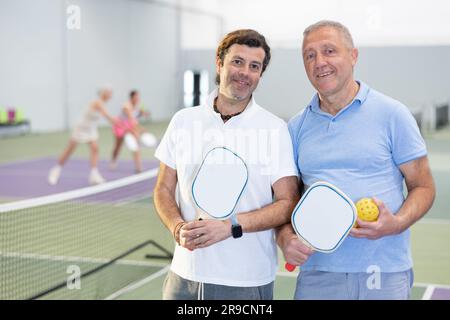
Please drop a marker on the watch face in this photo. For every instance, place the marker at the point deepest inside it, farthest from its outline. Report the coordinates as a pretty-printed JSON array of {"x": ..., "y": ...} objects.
[{"x": 236, "y": 231}]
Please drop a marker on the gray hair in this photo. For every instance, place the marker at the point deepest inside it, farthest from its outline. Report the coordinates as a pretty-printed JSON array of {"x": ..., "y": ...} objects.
[{"x": 331, "y": 24}]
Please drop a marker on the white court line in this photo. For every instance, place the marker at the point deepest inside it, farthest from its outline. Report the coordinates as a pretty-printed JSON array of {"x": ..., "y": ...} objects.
[
  {"x": 46, "y": 257},
  {"x": 138, "y": 284},
  {"x": 59, "y": 197},
  {"x": 435, "y": 285},
  {"x": 24, "y": 173},
  {"x": 428, "y": 293}
]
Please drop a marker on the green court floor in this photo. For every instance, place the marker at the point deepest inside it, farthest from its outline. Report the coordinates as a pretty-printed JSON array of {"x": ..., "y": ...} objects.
[{"x": 430, "y": 236}]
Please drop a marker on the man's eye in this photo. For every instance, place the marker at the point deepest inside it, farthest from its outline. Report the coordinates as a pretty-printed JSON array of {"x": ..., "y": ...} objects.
[
  {"x": 309, "y": 56},
  {"x": 255, "y": 67},
  {"x": 238, "y": 62},
  {"x": 330, "y": 51}
]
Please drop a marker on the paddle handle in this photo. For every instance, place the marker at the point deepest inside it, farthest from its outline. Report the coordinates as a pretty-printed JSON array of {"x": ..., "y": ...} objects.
[{"x": 289, "y": 267}]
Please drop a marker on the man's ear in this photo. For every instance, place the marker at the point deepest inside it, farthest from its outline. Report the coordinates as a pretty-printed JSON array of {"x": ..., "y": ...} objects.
[
  {"x": 218, "y": 65},
  {"x": 354, "y": 54}
]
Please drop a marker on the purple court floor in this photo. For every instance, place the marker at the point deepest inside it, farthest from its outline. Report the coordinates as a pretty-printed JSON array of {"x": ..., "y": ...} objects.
[
  {"x": 28, "y": 179},
  {"x": 441, "y": 294}
]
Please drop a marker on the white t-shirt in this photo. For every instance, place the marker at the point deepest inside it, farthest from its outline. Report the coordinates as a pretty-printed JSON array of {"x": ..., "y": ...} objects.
[{"x": 263, "y": 141}]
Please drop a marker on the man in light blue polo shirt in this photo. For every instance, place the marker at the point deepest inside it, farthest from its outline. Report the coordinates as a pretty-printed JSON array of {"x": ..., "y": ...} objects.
[{"x": 367, "y": 144}]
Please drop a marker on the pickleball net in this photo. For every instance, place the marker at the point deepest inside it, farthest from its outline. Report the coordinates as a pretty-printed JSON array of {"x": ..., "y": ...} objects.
[{"x": 82, "y": 244}]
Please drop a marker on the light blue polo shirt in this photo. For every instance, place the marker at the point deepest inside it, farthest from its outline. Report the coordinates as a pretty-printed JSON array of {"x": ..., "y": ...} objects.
[{"x": 359, "y": 150}]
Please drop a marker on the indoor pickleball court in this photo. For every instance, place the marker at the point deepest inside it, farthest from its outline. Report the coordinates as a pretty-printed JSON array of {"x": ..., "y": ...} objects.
[{"x": 57, "y": 55}]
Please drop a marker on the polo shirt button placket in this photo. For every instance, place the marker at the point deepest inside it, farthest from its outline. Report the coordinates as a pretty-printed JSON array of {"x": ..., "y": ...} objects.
[{"x": 330, "y": 124}]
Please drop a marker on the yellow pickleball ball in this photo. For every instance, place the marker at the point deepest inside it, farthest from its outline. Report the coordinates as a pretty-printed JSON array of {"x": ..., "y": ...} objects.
[{"x": 367, "y": 209}]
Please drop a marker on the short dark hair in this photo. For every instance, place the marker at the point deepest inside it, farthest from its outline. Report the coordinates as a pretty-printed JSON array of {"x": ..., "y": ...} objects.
[
  {"x": 133, "y": 93},
  {"x": 247, "y": 37}
]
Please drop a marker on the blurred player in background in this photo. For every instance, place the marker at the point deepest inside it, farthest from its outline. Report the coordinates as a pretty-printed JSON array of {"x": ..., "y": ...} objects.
[
  {"x": 86, "y": 132},
  {"x": 128, "y": 129}
]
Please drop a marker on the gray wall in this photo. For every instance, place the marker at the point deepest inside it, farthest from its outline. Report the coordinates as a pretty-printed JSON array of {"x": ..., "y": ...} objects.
[
  {"x": 134, "y": 45},
  {"x": 417, "y": 76},
  {"x": 31, "y": 63},
  {"x": 52, "y": 73},
  {"x": 155, "y": 58}
]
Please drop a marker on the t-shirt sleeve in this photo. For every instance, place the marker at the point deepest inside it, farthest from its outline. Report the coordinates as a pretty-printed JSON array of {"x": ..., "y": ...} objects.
[
  {"x": 406, "y": 141},
  {"x": 166, "y": 150},
  {"x": 284, "y": 165},
  {"x": 293, "y": 134}
]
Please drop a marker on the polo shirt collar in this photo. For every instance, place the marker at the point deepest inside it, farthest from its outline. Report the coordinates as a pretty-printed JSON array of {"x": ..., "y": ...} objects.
[{"x": 360, "y": 97}]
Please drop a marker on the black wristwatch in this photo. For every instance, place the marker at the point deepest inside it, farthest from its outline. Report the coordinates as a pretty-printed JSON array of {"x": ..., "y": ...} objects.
[{"x": 236, "y": 231}]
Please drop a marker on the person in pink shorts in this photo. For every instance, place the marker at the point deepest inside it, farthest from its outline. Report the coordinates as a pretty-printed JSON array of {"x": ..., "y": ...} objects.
[{"x": 128, "y": 129}]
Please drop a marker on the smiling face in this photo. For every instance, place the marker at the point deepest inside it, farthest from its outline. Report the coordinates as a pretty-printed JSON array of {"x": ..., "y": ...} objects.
[
  {"x": 240, "y": 71},
  {"x": 329, "y": 60}
]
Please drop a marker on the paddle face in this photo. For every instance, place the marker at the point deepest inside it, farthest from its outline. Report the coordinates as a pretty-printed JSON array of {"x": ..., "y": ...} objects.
[
  {"x": 219, "y": 183},
  {"x": 323, "y": 218}
]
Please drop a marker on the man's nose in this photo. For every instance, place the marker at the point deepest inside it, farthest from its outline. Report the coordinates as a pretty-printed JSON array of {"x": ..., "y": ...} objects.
[
  {"x": 244, "y": 71},
  {"x": 320, "y": 61}
]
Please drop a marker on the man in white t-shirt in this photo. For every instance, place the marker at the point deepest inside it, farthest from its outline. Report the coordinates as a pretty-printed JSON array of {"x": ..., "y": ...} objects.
[{"x": 214, "y": 259}]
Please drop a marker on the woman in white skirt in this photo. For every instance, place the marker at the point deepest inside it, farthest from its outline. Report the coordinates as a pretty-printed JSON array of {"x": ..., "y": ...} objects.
[{"x": 86, "y": 132}]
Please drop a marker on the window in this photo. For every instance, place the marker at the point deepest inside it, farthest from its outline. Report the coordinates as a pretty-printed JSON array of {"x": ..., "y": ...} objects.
[{"x": 196, "y": 87}]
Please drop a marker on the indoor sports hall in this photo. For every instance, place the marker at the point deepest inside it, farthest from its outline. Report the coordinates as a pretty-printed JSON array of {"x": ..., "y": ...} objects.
[{"x": 78, "y": 238}]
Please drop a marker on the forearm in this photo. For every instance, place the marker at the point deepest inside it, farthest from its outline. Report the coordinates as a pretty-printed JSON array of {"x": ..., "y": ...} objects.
[
  {"x": 268, "y": 217},
  {"x": 421, "y": 192},
  {"x": 286, "y": 194},
  {"x": 284, "y": 233},
  {"x": 111, "y": 119},
  {"x": 416, "y": 205},
  {"x": 105, "y": 114},
  {"x": 167, "y": 208}
]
